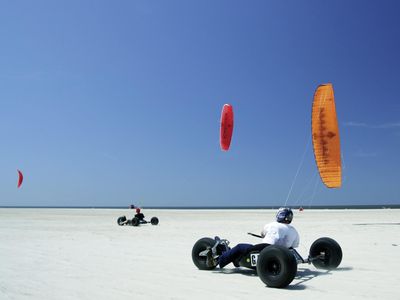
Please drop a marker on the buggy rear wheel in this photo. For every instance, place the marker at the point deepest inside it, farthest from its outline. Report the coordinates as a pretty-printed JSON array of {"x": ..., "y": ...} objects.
[
  {"x": 201, "y": 260},
  {"x": 276, "y": 266},
  {"x": 135, "y": 221},
  {"x": 121, "y": 220}
]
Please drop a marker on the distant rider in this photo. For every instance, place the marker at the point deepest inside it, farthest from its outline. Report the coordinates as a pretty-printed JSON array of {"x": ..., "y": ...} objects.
[
  {"x": 279, "y": 232},
  {"x": 139, "y": 215}
]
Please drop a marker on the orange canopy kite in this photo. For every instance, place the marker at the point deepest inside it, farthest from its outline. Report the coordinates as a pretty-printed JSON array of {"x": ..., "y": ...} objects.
[{"x": 325, "y": 136}]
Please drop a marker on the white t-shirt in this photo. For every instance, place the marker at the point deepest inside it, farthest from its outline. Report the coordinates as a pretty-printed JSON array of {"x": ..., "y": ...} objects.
[{"x": 276, "y": 233}]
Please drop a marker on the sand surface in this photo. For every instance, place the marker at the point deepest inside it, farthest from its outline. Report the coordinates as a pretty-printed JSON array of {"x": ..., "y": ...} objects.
[{"x": 84, "y": 254}]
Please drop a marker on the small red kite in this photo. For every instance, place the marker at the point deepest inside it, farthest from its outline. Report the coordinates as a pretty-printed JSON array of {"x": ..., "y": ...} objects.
[{"x": 20, "y": 178}]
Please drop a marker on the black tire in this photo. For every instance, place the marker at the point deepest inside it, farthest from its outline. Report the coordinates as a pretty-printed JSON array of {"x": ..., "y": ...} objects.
[
  {"x": 135, "y": 221},
  {"x": 121, "y": 220},
  {"x": 331, "y": 251},
  {"x": 154, "y": 221},
  {"x": 276, "y": 266},
  {"x": 199, "y": 246}
]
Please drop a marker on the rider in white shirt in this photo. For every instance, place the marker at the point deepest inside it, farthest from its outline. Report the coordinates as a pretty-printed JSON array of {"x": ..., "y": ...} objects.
[{"x": 279, "y": 232}]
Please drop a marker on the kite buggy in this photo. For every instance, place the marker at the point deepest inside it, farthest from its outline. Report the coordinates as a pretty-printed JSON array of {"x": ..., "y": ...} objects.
[
  {"x": 275, "y": 265},
  {"x": 137, "y": 219}
]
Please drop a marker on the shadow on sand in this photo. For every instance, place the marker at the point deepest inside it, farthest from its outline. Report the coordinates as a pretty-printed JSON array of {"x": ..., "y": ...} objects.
[
  {"x": 242, "y": 271},
  {"x": 303, "y": 275}
]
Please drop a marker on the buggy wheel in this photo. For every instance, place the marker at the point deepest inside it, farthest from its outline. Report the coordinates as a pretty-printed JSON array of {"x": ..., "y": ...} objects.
[
  {"x": 276, "y": 266},
  {"x": 121, "y": 220},
  {"x": 135, "y": 221},
  {"x": 329, "y": 251},
  {"x": 200, "y": 246},
  {"x": 154, "y": 221}
]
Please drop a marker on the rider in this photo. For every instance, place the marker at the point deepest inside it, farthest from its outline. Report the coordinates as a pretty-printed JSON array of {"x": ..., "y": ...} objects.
[
  {"x": 139, "y": 215},
  {"x": 279, "y": 232}
]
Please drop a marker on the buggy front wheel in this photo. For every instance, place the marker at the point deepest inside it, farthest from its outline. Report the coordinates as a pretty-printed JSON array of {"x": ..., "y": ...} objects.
[{"x": 326, "y": 253}]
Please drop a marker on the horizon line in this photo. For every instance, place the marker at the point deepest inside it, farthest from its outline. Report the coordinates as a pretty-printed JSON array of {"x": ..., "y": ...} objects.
[{"x": 353, "y": 206}]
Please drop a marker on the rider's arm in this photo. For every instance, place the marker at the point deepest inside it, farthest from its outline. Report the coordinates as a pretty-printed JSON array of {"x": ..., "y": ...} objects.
[{"x": 264, "y": 231}]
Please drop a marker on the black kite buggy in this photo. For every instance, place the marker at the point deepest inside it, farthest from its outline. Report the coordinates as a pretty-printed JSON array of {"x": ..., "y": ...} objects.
[
  {"x": 275, "y": 265},
  {"x": 136, "y": 221}
]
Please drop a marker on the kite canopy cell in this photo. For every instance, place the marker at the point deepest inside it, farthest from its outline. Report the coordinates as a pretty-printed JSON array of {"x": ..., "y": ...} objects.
[{"x": 325, "y": 136}]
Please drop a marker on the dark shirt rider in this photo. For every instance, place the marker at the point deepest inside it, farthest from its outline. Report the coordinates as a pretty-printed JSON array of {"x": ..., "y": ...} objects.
[{"x": 139, "y": 215}]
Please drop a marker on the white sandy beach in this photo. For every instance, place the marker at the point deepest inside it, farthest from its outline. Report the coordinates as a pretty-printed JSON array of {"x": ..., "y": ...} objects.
[{"x": 84, "y": 254}]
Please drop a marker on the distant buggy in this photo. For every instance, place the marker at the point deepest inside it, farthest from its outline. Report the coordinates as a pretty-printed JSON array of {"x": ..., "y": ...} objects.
[
  {"x": 275, "y": 265},
  {"x": 137, "y": 220}
]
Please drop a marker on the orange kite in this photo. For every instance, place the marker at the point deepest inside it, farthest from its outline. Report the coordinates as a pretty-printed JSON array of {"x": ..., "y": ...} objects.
[{"x": 325, "y": 136}]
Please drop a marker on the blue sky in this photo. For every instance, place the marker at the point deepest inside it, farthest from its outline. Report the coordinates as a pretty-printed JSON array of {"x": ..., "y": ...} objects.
[{"x": 109, "y": 103}]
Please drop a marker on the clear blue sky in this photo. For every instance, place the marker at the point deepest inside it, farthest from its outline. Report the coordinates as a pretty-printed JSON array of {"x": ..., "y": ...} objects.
[{"x": 109, "y": 103}]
